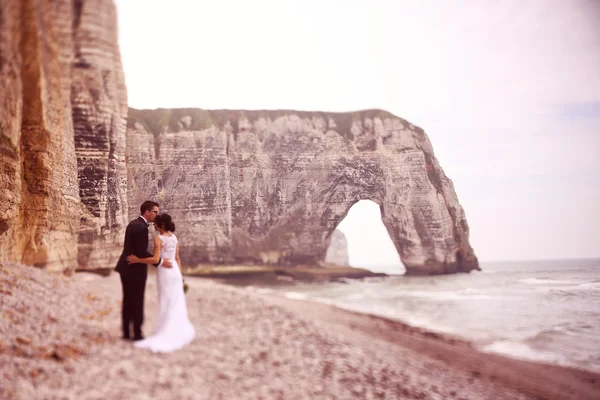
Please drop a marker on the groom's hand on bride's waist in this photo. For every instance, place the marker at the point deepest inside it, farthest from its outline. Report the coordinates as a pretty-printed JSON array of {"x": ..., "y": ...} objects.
[{"x": 166, "y": 263}]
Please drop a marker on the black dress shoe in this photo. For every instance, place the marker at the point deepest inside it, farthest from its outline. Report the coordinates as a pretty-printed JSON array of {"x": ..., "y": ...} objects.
[
  {"x": 135, "y": 339},
  {"x": 126, "y": 338}
]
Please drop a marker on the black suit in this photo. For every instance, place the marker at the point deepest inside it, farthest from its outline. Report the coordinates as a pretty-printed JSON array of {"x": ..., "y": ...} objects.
[{"x": 133, "y": 276}]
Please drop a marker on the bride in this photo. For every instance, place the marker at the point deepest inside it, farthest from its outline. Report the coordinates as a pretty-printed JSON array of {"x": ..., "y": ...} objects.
[{"x": 173, "y": 329}]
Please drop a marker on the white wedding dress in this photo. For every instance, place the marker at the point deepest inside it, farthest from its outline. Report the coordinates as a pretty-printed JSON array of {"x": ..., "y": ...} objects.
[{"x": 173, "y": 327}]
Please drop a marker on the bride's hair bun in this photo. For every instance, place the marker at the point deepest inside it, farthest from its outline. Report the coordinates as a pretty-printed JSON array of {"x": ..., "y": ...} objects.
[{"x": 164, "y": 221}]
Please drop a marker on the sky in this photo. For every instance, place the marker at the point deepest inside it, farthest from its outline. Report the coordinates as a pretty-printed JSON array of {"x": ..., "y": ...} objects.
[{"x": 508, "y": 92}]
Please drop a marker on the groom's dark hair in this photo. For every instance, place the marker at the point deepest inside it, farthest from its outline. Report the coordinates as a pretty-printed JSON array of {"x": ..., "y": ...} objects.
[{"x": 148, "y": 205}]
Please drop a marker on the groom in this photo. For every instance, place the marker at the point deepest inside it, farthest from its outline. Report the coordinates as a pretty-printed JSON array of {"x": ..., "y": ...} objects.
[{"x": 133, "y": 276}]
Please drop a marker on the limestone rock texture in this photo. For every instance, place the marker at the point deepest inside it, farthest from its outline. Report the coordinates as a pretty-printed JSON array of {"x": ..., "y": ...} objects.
[
  {"x": 243, "y": 186},
  {"x": 63, "y": 110},
  {"x": 271, "y": 186},
  {"x": 337, "y": 252}
]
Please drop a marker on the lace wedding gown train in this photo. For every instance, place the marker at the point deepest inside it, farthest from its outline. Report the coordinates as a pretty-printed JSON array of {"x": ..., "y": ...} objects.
[{"x": 173, "y": 328}]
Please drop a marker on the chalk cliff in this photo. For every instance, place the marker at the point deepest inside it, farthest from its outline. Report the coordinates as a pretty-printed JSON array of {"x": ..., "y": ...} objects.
[
  {"x": 337, "y": 252},
  {"x": 63, "y": 109},
  {"x": 271, "y": 186},
  {"x": 243, "y": 186}
]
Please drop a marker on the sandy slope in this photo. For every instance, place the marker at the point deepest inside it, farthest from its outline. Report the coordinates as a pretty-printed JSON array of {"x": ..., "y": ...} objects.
[{"x": 59, "y": 339}]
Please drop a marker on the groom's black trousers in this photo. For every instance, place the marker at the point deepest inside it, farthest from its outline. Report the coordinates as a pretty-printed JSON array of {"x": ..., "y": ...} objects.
[{"x": 134, "y": 288}]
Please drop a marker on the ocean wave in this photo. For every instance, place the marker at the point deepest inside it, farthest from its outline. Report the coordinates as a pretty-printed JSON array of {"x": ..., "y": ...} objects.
[
  {"x": 355, "y": 296},
  {"x": 257, "y": 289},
  {"x": 548, "y": 281},
  {"x": 264, "y": 290},
  {"x": 590, "y": 289},
  {"x": 470, "y": 290},
  {"x": 594, "y": 285},
  {"x": 393, "y": 313},
  {"x": 296, "y": 295},
  {"x": 551, "y": 335},
  {"x": 324, "y": 300},
  {"x": 546, "y": 352},
  {"x": 524, "y": 351},
  {"x": 466, "y": 294},
  {"x": 559, "y": 337}
]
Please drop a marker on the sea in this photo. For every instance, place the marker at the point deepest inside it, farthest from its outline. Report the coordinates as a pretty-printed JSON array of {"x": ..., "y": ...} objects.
[{"x": 547, "y": 311}]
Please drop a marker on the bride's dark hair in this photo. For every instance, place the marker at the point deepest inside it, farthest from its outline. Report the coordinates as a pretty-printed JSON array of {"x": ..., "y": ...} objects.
[{"x": 165, "y": 222}]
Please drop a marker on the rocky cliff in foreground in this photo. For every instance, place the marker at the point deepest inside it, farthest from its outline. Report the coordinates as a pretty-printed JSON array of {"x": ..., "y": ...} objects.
[
  {"x": 63, "y": 108},
  {"x": 271, "y": 186}
]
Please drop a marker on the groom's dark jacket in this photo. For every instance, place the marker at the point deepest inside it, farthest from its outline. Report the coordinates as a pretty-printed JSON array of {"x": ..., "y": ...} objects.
[{"x": 136, "y": 243}]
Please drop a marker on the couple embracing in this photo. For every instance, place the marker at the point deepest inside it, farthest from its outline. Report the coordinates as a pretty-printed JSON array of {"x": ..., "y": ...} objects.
[{"x": 173, "y": 328}]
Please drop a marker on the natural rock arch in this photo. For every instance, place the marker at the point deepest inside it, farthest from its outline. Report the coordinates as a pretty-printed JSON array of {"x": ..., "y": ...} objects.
[
  {"x": 260, "y": 186},
  {"x": 365, "y": 240},
  {"x": 271, "y": 186}
]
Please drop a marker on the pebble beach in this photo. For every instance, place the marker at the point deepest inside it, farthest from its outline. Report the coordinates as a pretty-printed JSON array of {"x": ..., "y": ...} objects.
[{"x": 59, "y": 339}]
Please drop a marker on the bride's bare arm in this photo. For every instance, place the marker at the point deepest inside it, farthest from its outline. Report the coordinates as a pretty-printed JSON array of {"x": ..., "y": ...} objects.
[
  {"x": 131, "y": 259},
  {"x": 177, "y": 256}
]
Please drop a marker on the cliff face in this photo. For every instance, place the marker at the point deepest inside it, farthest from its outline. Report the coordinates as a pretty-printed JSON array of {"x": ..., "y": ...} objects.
[
  {"x": 337, "y": 252},
  {"x": 271, "y": 186},
  {"x": 62, "y": 134},
  {"x": 260, "y": 186}
]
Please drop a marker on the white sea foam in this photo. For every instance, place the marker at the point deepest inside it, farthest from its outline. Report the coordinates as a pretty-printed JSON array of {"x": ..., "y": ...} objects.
[
  {"x": 324, "y": 300},
  {"x": 543, "y": 281},
  {"x": 264, "y": 290},
  {"x": 355, "y": 296},
  {"x": 581, "y": 287},
  {"x": 589, "y": 286},
  {"x": 523, "y": 351},
  {"x": 296, "y": 295},
  {"x": 447, "y": 295}
]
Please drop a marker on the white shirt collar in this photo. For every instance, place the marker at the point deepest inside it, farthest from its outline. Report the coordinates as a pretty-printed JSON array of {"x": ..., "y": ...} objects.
[{"x": 142, "y": 217}]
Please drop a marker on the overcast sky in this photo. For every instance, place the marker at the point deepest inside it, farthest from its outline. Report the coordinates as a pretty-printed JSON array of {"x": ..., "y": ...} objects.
[{"x": 508, "y": 92}]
